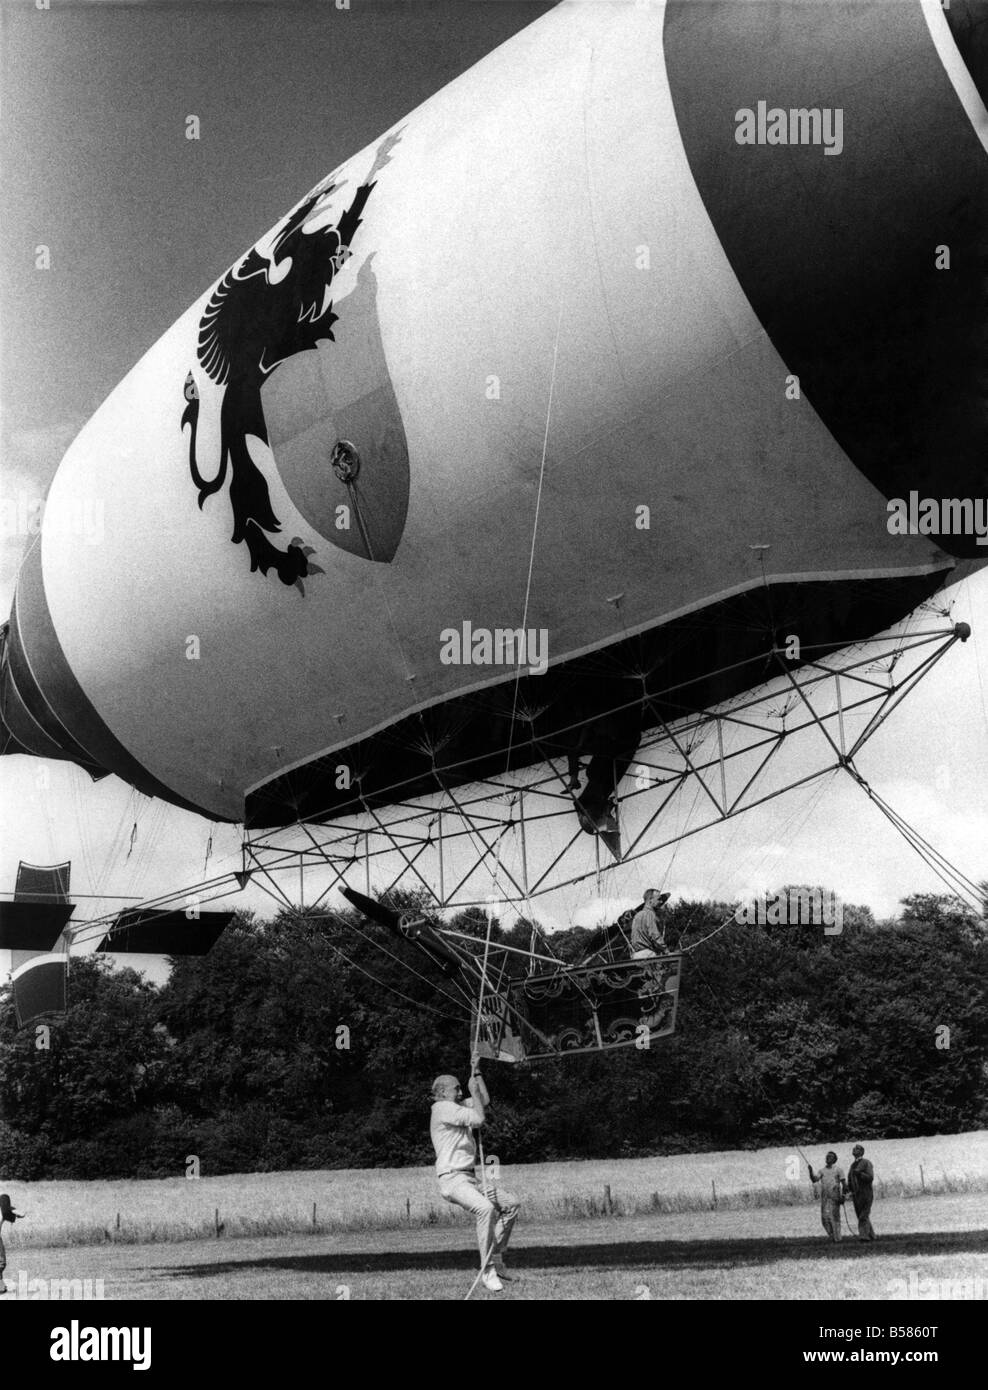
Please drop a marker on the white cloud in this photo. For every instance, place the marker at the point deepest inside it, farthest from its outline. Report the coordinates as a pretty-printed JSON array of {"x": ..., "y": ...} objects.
[
  {"x": 599, "y": 911},
  {"x": 29, "y": 460}
]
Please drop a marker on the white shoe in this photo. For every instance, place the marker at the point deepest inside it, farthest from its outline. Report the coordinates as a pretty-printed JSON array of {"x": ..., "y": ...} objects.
[{"x": 491, "y": 1281}]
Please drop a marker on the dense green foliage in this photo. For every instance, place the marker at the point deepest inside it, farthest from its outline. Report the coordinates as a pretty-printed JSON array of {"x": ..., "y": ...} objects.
[{"x": 288, "y": 1046}]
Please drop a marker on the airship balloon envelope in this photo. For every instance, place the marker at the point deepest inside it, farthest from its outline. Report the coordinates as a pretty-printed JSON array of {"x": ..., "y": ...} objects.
[
  {"x": 621, "y": 344},
  {"x": 31, "y": 928}
]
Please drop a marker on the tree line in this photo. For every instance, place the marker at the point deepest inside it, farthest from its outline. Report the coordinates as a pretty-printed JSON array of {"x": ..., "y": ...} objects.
[{"x": 304, "y": 1042}]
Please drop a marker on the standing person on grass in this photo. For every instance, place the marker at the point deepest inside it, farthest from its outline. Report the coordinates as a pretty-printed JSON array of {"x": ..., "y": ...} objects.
[
  {"x": 831, "y": 1180},
  {"x": 860, "y": 1180},
  {"x": 451, "y": 1130},
  {"x": 7, "y": 1213}
]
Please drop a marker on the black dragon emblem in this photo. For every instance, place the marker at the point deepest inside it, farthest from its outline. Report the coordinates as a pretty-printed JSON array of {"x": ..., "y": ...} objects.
[{"x": 264, "y": 310}]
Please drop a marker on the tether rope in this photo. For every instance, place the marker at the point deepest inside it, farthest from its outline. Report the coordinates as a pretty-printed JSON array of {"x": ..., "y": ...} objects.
[
  {"x": 417, "y": 1004},
  {"x": 480, "y": 1141},
  {"x": 952, "y": 877},
  {"x": 378, "y": 946},
  {"x": 535, "y": 532}
]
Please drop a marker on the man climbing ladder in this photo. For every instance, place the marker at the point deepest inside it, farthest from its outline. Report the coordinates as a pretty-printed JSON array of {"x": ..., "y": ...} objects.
[{"x": 451, "y": 1129}]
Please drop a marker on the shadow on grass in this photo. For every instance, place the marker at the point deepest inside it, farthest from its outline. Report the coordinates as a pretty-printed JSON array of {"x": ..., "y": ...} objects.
[{"x": 659, "y": 1254}]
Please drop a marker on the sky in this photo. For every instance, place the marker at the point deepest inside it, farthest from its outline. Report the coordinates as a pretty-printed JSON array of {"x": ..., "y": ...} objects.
[{"x": 139, "y": 221}]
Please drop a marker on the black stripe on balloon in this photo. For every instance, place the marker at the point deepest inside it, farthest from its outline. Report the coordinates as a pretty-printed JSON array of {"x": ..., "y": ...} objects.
[
  {"x": 86, "y": 729},
  {"x": 837, "y": 253}
]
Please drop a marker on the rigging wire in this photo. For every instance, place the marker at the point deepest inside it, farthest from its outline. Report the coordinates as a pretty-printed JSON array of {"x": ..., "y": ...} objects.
[
  {"x": 114, "y": 851},
  {"x": 482, "y": 990},
  {"x": 535, "y": 530},
  {"x": 952, "y": 868},
  {"x": 376, "y": 945},
  {"x": 957, "y": 882},
  {"x": 415, "y": 1003},
  {"x": 807, "y": 807},
  {"x": 83, "y": 825}
]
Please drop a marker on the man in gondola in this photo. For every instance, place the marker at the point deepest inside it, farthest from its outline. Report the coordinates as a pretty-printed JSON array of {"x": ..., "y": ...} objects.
[{"x": 648, "y": 935}]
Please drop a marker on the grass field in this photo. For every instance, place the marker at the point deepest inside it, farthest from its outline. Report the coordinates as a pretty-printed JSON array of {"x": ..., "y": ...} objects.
[
  {"x": 382, "y": 1199},
  {"x": 775, "y": 1253}
]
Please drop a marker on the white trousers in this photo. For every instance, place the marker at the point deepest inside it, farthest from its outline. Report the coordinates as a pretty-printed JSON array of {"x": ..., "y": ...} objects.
[{"x": 494, "y": 1218}]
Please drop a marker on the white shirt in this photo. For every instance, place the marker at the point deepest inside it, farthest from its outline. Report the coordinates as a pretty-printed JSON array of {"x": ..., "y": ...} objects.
[
  {"x": 830, "y": 1180},
  {"x": 451, "y": 1130}
]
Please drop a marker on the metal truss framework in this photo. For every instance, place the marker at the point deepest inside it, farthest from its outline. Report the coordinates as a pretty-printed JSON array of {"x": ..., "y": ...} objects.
[{"x": 521, "y": 831}]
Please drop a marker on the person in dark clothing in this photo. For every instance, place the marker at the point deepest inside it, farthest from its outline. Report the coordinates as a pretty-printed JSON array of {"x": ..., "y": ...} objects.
[
  {"x": 860, "y": 1181},
  {"x": 612, "y": 742},
  {"x": 7, "y": 1213}
]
